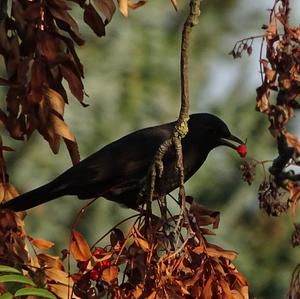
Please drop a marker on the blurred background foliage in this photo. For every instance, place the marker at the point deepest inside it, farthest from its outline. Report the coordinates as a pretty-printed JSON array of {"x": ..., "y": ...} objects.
[{"x": 132, "y": 80}]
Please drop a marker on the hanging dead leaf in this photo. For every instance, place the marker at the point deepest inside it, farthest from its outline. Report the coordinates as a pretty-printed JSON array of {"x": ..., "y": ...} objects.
[
  {"x": 73, "y": 150},
  {"x": 93, "y": 19},
  {"x": 64, "y": 16},
  {"x": 292, "y": 141},
  {"x": 74, "y": 82},
  {"x": 7, "y": 191},
  {"x": 135, "y": 5},
  {"x": 61, "y": 128},
  {"x": 107, "y": 7},
  {"x": 262, "y": 99},
  {"x": 42, "y": 244},
  {"x": 55, "y": 100},
  {"x": 123, "y": 7},
  {"x": 79, "y": 247}
]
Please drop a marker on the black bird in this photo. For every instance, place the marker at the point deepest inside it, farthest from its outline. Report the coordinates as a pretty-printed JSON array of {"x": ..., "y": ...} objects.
[{"x": 118, "y": 171}]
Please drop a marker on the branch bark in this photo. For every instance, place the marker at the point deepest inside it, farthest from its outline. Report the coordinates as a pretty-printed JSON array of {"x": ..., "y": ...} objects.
[{"x": 181, "y": 127}]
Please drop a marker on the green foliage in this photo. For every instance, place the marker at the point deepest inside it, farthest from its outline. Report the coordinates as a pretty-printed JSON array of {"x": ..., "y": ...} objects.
[{"x": 20, "y": 279}]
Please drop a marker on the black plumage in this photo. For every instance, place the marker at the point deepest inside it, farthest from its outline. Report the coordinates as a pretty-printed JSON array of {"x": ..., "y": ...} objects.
[{"x": 118, "y": 171}]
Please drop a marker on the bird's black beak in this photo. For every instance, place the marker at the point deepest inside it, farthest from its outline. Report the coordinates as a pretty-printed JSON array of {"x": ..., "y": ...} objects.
[{"x": 227, "y": 141}]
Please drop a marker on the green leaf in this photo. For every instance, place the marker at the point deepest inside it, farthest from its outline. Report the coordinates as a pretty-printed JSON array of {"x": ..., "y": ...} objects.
[
  {"x": 35, "y": 292},
  {"x": 6, "y": 295},
  {"x": 16, "y": 278},
  {"x": 8, "y": 269}
]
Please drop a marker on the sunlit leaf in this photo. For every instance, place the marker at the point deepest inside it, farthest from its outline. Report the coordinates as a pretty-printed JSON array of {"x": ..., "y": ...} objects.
[
  {"x": 142, "y": 243},
  {"x": 123, "y": 7},
  {"x": 79, "y": 247},
  {"x": 110, "y": 274},
  {"x": 35, "y": 292},
  {"x": 6, "y": 295},
  {"x": 16, "y": 278},
  {"x": 8, "y": 269},
  {"x": 107, "y": 7},
  {"x": 135, "y": 5},
  {"x": 42, "y": 244}
]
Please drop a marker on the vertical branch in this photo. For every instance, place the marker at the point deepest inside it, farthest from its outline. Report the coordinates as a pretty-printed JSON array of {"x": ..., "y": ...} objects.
[
  {"x": 181, "y": 127},
  {"x": 190, "y": 22}
]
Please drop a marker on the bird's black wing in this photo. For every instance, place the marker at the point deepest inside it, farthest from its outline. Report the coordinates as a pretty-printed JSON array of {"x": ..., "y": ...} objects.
[{"x": 121, "y": 163}]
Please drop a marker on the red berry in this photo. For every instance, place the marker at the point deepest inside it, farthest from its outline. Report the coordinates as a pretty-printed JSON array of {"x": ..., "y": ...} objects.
[
  {"x": 105, "y": 264},
  {"x": 94, "y": 274},
  {"x": 98, "y": 266},
  {"x": 242, "y": 150},
  {"x": 98, "y": 252},
  {"x": 102, "y": 265}
]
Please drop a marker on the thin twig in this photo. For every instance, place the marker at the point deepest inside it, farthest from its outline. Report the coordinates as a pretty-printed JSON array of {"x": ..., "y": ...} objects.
[{"x": 115, "y": 226}]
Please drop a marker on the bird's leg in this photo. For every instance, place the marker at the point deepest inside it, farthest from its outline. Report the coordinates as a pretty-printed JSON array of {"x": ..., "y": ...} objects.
[
  {"x": 163, "y": 207},
  {"x": 148, "y": 213}
]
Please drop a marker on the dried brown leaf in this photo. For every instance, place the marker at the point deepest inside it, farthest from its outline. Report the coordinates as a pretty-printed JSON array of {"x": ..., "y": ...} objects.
[
  {"x": 142, "y": 243},
  {"x": 57, "y": 275},
  {"x": 46, "y": 260},
  {"x": 107, "y": 7},
  {"x": 79, "y": 247},
  {"x": 65, "y": 17},
  {"x": 42, "y": 244},
  {"x": 135, "y": 5},
  {"x": 207, "y": 290},
  {"x": 262, "y": 99},
  {"x": 93, "y": 19},
  {"x": 204, "y": 216},
  {"x": 292, "y": 141},
  {"x": 60, "y": 290},
  {"x": 152, "y": 295},
  {"x": 74, "y": 82},
  {"x": 73, "y": 150},
  {"x": 123, "y": 7},
  {"x": 55, "y": 100},
  {"x": 110, "y": 274},
  {"x": 242, "y": 293},
  {"x": 61, "y": 128},
  {"x": 7, "y": 191},
  {"x": 216, "y": 251}
]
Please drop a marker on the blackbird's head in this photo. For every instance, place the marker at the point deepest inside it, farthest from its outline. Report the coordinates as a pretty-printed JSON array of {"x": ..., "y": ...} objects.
[{"x": 213, "y": 132}]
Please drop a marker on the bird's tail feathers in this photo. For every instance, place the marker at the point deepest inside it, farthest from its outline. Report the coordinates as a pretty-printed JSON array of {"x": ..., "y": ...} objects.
[{"x": 31, "y": 199}]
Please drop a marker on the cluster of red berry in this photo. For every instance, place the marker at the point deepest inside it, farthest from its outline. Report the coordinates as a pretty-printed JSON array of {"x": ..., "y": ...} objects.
[{"x": 95, "y": 273}]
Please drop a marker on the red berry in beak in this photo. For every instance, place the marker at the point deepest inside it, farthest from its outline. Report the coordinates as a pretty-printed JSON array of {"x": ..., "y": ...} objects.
[{"x": 242, "y": 150}]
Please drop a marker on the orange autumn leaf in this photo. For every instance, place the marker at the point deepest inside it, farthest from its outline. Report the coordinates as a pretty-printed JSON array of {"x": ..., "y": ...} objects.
[
  {"x": 42, "y": 244},
  {"x": 79, "y": 247},
  {"x": 110, "y": 274}
]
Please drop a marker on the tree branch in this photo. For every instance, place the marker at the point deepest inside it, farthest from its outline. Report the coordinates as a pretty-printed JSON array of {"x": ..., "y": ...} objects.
[{"x": 181, "y": 127}]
